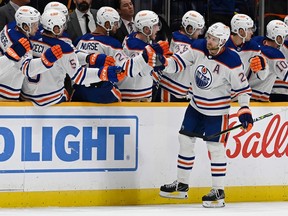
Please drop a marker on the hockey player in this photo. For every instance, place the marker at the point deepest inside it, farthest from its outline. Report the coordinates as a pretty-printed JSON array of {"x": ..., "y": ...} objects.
[
  {"x": 48, "y": 89},
  {"x": 242, "y": 28},
  {"x": 216, "y": 70},
  {"x": 174, "y": 87},
  {"x": 276, "y": 32},
  {"x": 12, "y": 36},
  {"x": 101, "y": 41},
  {"x": 97, "y": 44},
  {"x": 60, "y": 7},
  {"x": 284, "y": 48},
  {"x": 279, "y": 91},
  {"x": 82, "y": 56},
  {"x": 138, "y": 87}
]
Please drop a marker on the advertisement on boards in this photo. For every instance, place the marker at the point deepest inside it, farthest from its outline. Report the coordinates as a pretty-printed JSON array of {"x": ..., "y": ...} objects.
[{"x": 90, "y": 148}]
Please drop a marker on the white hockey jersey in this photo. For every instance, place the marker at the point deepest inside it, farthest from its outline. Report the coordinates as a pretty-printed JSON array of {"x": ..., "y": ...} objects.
[
  {"x": 213, "y": 77},
  {"x": 278, "y": 68},
  {"x": 246, "y": 51},
  {"x": 48, "y": 88},
  {"x": 138, "y": 83},
  {"x": 280, "y": 86},
  {"x": 177, "y": 84},
  {"x": 11, "y": 78}
]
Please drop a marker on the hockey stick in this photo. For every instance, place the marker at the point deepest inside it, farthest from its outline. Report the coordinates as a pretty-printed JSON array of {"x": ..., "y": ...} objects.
[{"x": 235, "y": 127}]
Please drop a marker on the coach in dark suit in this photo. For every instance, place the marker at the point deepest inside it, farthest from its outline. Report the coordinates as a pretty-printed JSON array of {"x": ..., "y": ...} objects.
[
  {"x": 78, "y": 25},
  {"x": 125, "y": 9},
  {"x": 8, "y": 11}
]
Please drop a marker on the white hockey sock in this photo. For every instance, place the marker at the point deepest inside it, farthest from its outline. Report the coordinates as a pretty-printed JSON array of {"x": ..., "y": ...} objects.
[
  {"x": 218, "y": 164},
  {"x": 186, "y": 158}
]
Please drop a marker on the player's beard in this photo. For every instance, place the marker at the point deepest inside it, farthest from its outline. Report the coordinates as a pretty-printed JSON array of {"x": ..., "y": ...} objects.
[
  {"x": 83, "y": 7},
  {"x": 209, "y": 47}
]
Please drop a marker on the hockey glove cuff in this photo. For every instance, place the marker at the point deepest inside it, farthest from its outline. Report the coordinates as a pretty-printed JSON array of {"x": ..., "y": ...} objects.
[
  {"x": 245, "y": 117},
  {"x": 111, "y": 73},
  {"x": 161, "y": 61},
  {"x": 51, "y": 55},
  {"x": 18, "y": 49},
  {"x": 99, "y": 60}
]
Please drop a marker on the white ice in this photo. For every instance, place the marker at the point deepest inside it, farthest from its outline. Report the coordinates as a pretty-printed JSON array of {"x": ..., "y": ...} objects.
[{"x": 245, "y": 209}]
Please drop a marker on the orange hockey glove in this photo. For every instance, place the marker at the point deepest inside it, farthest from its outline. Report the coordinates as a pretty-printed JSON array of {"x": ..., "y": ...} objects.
[
  {"x": 257, "y": 63},
  {"x": 161, "y": 47},
  {"x": 51, "y": 55},
  {"x": 97, "y": 60},
  {"x": 110, "y": 73},
  {"x": 18, "y": 49},
  {"x": 149, "y": 55}
]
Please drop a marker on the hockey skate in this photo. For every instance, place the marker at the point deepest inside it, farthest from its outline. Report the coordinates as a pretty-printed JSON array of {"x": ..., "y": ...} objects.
[
  {"x": 214, "y": 199},
  {"x": 176, "y": 190}
]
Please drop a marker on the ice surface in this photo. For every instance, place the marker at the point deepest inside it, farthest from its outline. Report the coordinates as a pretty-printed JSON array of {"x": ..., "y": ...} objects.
[{"x": 245, "y": 209}]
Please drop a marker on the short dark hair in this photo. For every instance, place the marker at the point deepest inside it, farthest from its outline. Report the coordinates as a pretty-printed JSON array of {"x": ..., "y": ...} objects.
[{"x": 117, "y": 4}]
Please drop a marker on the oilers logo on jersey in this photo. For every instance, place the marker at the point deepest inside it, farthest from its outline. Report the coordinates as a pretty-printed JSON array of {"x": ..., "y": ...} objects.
[{"x": 203, "y": 77}]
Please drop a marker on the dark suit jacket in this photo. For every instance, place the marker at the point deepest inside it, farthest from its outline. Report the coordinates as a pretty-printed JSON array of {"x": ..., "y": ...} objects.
[
  {"x": 121, "y": 33},
  {"x": 73, "y": 26},
  {"x": 7, "y": 13}
]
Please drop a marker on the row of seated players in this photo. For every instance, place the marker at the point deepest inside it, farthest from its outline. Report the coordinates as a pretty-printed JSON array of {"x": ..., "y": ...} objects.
[{"x": 139, "y": 73}]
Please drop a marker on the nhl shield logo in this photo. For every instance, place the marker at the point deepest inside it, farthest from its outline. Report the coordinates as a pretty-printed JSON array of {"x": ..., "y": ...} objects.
[{"x": 203, "y": 77}]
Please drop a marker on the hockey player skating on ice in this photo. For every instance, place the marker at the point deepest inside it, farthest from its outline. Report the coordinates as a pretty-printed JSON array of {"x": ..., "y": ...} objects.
[
  {"x": 15, "y": 38},
  {"x": 48, "y": 88},
  {"x": 174, "y": 87},
  {"x": 215, "y": 71}
]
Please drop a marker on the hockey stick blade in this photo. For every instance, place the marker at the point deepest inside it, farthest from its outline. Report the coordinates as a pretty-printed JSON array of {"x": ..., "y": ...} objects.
[{"x": 235, "y": 127}]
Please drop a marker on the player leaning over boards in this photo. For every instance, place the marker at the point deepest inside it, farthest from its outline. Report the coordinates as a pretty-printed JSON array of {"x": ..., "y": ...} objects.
[
  {"x": 100, "y": 43},
  {"x": 174, "y": 87},
  {"x": 215, "y": 71},
  {"x": 134, "y": 57},
  {"x": 48, "y": 88},
  {"x": 137, "y": 86},
  {"x": 284, "y": 48},
  {"x": 277, "y": 79},
  {"x": 17, "y": 48},
  {"x": 255, "y": 66}
]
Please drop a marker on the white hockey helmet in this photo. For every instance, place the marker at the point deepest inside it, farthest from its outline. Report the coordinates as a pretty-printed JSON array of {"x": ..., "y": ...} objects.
[
  {"x": 58, "y": 6},
  {"x": 194, "y": 19},
  {"x": 108, "y": 14},
  {"x": 146, "y": 18},
  {"x": 241, "y": 21},
  {"x": 51, "y": 18},
  {"x": 221, "y": 31},
  {"x": 286, "y": 20},
  {"x": 26, "y": 15},
  {"x": 277, "y": 28}
]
